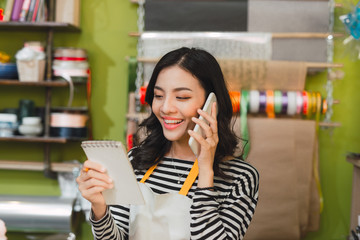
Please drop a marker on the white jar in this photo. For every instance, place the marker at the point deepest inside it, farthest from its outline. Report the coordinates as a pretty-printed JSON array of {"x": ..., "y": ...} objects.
[{"x": 31, "y": 126}]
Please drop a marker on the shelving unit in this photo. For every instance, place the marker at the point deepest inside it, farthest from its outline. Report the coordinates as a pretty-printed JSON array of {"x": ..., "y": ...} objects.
[{"x": 49, "y": 27}]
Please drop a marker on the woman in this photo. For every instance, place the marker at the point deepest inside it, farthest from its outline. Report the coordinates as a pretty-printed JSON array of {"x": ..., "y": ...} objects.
[
  {"x": 2, "y": 230},
  {"x": 212, "y": 196}
]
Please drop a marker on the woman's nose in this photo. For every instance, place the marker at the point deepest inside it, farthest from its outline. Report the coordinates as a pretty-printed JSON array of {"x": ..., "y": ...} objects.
[{"x": 168, "y": 106}]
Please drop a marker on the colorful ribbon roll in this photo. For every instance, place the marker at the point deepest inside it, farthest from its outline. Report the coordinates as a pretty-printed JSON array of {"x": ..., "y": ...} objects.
[
  {"x": 275, "y": 102},
  {"x": 270, "y": 111},
  {"x": 235, "y": 100}
]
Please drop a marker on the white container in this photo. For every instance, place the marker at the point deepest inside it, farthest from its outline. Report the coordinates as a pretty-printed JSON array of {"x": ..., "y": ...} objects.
[
  {"x": 31, "y": 71},
  {"x": 31, "y": 120},
  {"x": 30, "y": 130},
  {"x": 6, "y": 132},
  {"x": 31, "y": 126},
  {"x": 8, "y": 117},
  {"x": 8, "y": 124}
]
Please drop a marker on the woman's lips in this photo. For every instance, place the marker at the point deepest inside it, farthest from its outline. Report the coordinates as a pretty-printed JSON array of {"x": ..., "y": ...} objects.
[{"x": 170, "y": 123}]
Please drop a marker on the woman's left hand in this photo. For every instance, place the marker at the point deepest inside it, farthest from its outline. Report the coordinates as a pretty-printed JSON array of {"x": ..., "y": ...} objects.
[{"x": 208, "y": 145}]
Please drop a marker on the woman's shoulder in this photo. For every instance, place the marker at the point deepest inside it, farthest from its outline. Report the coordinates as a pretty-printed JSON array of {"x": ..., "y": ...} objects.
[
  {"x": 237, "y": 168},
  {"x": 242, "y": 177}
]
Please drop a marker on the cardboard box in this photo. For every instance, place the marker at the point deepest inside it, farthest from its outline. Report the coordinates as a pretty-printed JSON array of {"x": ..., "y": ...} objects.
[
  {"x": 31, "y": 71},
  {"x": 68, "y": 11},
  {"x": 355, "y": 202}
]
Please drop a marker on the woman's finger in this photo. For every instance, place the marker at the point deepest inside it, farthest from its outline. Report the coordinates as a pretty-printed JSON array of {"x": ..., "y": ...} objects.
[
  {"x": 89, "y": 193},
  {"x": 93, "y": 182},
  {"x": 88, "y": 164},
  {"x": 204, "y": 126},
  {"x": 211, "y": 118},
  {"x": 213, "y": 121},
  {"x": 206, "y": 144},
  {"x": 96, "y": 175},
  {"x": 197, "y": 137}
]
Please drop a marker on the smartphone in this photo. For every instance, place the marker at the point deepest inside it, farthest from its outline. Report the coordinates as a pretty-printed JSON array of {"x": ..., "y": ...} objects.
[{"x": 194, "y": 145}]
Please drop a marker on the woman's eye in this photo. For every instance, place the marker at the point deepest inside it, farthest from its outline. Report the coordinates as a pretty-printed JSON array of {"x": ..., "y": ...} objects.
[
  {"x": 183, "y": 98},
  {"x": 157, "y": 96}
]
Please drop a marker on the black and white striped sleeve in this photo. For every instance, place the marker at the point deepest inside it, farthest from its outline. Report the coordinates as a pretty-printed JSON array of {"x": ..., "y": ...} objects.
[
  {"x": 113, "y": 226},
  {"x": 227, "y": 212}
]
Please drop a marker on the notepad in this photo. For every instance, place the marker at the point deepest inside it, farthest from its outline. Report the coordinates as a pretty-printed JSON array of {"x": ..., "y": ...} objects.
[{"x": 113, "y": 156}]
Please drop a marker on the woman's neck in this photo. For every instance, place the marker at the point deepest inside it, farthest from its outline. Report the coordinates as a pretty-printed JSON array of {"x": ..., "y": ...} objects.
[{"x": 181, "y": 151}]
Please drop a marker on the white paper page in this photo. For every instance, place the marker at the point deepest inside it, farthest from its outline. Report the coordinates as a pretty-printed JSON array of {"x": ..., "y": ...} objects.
[{"x": 112, "y": 155}]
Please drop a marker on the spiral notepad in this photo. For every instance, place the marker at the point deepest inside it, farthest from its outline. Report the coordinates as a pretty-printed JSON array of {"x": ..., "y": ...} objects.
[{"x": 113, "y": 156}]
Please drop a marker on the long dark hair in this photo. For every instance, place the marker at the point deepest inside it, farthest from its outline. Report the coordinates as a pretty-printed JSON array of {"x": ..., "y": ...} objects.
[{"x": 203, "y": 66}]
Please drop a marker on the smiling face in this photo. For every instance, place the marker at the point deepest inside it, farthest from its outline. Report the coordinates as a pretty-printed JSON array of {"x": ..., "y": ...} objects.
[{"x": 177, "y": 96}]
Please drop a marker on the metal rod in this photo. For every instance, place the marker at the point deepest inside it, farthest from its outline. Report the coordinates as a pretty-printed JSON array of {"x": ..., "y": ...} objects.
[
  {"x": 305, "y": 35},
  {"x": 329, "y": 124},
  {"x": 49, "y": 47},
  {"x": 323, "y": 65},
  {"x": 48, "y": 172},
  {"x": 281, "y": 35},
  {"x": 308, "y": 64}
]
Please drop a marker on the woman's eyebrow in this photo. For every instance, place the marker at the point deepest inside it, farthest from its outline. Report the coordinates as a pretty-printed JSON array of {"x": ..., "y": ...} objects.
[
  {"x": 175, "y": 90},
  {"x": 182, "y": 89}
]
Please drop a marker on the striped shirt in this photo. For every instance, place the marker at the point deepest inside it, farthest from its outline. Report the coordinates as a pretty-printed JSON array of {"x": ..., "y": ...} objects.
[{"x": 221, "y": 214}]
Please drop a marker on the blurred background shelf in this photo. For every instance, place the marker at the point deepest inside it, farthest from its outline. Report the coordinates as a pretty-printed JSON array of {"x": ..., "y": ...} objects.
[
  {"x": 55, "y": 83},
  {"x": 40, "y": 139},
  {"x": 38, "y": 26},
  {"x": 37, "y": 166}
]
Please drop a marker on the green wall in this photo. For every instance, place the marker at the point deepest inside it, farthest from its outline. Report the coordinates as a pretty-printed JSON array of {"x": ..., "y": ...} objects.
[
  {"x": 335, "y": 143},
  {"x": 105, "y": 27}
]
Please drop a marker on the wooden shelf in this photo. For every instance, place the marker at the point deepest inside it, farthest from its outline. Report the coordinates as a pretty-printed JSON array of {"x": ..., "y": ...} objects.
[
  {"x": 329, "y": 124},
  {"x": 337, "y": 5},
  {"x": 71, "y": 109},
  {"x": 54, "y": 83},
  {"x": 38, "y": 26},
  {"x": 354, "y": 159},
  {"x": 37, "y": 166},
  {"x": 39, "y": 139}
]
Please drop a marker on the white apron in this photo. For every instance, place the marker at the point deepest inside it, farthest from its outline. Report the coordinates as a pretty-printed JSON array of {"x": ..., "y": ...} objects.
[{"x": 164, "y": 216}]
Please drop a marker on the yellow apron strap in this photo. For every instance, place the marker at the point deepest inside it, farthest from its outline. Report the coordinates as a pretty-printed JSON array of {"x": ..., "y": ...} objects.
[
  {"x": 194, "y": 172},
  {"x": 148, "y": 173}
]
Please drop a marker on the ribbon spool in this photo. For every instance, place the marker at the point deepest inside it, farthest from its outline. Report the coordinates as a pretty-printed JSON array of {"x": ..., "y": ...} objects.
[
  {"x": 277, "y": 102},
  {"x": 235, "y": 100},
  {"x": 71, "y": 62},
  {"x": 291, "y": 107},
  {"x": 142, "y": 94},
  {"x": 254, "y": 101},
  {"x": 69, "y": 125}
]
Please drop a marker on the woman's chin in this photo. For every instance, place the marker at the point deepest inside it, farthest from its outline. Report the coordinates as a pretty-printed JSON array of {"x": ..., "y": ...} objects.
[{"x": 176, "y": 137}]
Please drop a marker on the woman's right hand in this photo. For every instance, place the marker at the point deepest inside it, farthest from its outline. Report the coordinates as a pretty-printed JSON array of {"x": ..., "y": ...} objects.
[{"x": 92, "y": 181}]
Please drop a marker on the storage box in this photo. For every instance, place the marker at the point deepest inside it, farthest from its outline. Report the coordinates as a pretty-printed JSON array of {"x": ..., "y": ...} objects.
[
  {"x": 68, "y": 11},
  {"x": 31, "y": 71},
  {"x": 355, "y": 202}
]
